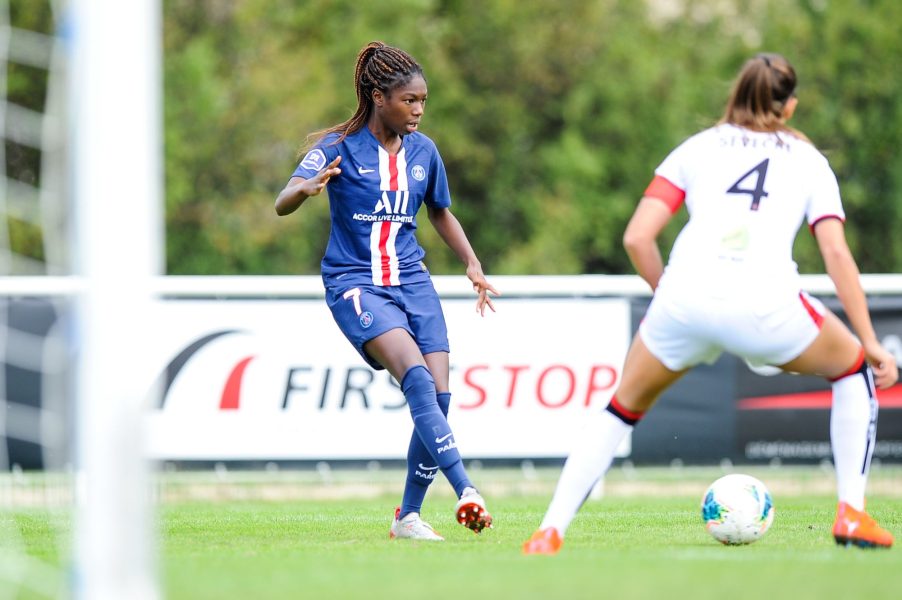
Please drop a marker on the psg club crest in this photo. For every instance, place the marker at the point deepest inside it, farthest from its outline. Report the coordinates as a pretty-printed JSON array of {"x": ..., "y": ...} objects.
[
  {"x": 366, "y": 319},
  {"x": 418, "y": 173}
]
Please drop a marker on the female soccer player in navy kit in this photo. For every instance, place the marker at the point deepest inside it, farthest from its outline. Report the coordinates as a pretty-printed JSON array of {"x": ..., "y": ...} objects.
[
  {"x": 380, "y": 169},
  {"x": 731, "y": 285}
]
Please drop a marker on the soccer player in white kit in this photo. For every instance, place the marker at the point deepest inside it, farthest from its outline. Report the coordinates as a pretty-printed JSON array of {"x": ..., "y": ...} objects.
[{"x": 731, "y": 285}]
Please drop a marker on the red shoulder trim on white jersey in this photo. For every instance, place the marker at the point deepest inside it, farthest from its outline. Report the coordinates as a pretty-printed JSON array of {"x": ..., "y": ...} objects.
[{"x": 663, "y": 189}]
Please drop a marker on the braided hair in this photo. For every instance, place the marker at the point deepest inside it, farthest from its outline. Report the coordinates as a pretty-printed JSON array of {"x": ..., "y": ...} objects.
[
  {"x": 379, "y": 67},
  {"x": 764, "y": 86}
]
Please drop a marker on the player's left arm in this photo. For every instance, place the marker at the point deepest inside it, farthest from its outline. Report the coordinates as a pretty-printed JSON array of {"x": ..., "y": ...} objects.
[
  {"x": 450, "y": 230},
  {"x": 843, "y": 271},
  {"x": 641, "y": 238}
]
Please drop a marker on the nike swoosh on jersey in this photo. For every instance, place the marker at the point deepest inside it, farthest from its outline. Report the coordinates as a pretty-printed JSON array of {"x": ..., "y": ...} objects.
[{"x": 363, "y": 171}]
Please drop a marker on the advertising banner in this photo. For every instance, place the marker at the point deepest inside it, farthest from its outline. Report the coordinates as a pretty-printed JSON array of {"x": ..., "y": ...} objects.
[
  {"x": 277, "y": 380},
  {"x": 787, "y": 417}
]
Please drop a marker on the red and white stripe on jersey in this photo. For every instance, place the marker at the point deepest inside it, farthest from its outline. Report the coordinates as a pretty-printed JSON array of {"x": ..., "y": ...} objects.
[
  {"x": 392, "y": 170},
  {"x": 662, "y": 189},
  {"x": 395, "y": 196}
]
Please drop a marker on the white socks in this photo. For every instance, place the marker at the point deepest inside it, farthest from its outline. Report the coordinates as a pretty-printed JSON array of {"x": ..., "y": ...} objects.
[
  {"x": 588, "y": 461},
  {"x": 853, "y": 428}
]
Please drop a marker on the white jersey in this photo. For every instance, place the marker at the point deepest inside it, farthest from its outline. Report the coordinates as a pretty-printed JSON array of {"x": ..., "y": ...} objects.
[
  {"x": 747, "y": 194},
  {"x": 731, "y": 283}
]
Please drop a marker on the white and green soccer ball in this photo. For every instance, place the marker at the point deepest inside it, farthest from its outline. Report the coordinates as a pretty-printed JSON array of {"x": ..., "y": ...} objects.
[{"x": 737, "y": 509}]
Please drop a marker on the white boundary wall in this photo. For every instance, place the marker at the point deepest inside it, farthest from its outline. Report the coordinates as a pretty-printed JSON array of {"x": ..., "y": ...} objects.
[{"x": 448, "y": 286}]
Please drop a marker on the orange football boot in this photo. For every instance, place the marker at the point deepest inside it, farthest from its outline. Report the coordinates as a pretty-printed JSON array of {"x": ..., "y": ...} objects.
[
  {"x": 471, "y": 511},
  {"x": 858, "y": 528},
  {"x": 543, "y": 541}
]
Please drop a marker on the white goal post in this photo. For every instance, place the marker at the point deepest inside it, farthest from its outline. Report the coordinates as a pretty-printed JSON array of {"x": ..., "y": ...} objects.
[{"x": 115, "y": 119}]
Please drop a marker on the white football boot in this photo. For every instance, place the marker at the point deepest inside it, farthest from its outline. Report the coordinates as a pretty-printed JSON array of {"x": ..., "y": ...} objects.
[{"x": 412, "y": 527}]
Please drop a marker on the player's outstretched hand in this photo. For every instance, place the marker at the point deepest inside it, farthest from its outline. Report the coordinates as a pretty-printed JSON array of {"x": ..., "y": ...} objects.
[
  {"x": 482, "y": 288},
  {"x": 317, "y": 183},
  {"x": 883, "y": 363}
]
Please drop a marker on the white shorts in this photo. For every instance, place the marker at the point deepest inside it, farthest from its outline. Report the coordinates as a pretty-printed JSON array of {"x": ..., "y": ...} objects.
[{"x": 689, "y": 330}]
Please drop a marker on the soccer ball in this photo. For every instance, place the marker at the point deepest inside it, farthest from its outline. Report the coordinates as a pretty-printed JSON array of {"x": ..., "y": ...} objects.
[{"x": 737, "y": 509}]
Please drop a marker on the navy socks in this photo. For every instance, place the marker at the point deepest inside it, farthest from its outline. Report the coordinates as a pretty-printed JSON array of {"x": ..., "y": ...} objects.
[
  {"x": 421, "y": 471},
  {"x": 432, "y": 428}
]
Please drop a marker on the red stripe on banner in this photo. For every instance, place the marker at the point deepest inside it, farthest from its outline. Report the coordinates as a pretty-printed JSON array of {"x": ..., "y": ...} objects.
[
  {"x": 820, "y": 400},
  {"x": 383, "y": 252},
  {"x": 392, "y": 172},
  {"x": 231, "y": 393}
]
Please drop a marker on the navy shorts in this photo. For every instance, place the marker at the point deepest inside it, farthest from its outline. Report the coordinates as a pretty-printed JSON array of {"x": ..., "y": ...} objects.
[{"x": 364, "y": 312}]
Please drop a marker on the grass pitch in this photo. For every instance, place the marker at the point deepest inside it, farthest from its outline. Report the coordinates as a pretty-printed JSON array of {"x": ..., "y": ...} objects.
[
  {"x": 621, "y": 548},
  {"x": 643, "y": 539},
  {"x": 259, "y": 537}
]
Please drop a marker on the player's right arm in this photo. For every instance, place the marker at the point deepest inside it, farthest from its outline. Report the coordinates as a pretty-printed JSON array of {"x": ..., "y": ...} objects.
[
  {"x": 663, "y": 197},
  {"x": 299, "y": 189},
  {"x": 843, "y": 270}
]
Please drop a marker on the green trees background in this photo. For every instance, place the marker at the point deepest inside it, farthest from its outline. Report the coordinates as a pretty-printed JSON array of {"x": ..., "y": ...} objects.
[{"x": 550, "y": 116}]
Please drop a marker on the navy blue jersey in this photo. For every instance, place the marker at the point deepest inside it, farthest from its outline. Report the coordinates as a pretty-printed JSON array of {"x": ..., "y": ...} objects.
[{"x": 373, "y": 204}]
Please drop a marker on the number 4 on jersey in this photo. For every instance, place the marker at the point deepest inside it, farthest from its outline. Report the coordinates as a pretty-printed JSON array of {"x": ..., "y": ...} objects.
[{"x": 758, "y": 192}]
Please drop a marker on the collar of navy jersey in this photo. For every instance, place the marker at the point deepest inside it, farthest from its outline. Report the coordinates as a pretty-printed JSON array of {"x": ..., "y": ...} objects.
[
  {"x": 378, "y": 144},
  {"x": 362, "y": 170}
]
